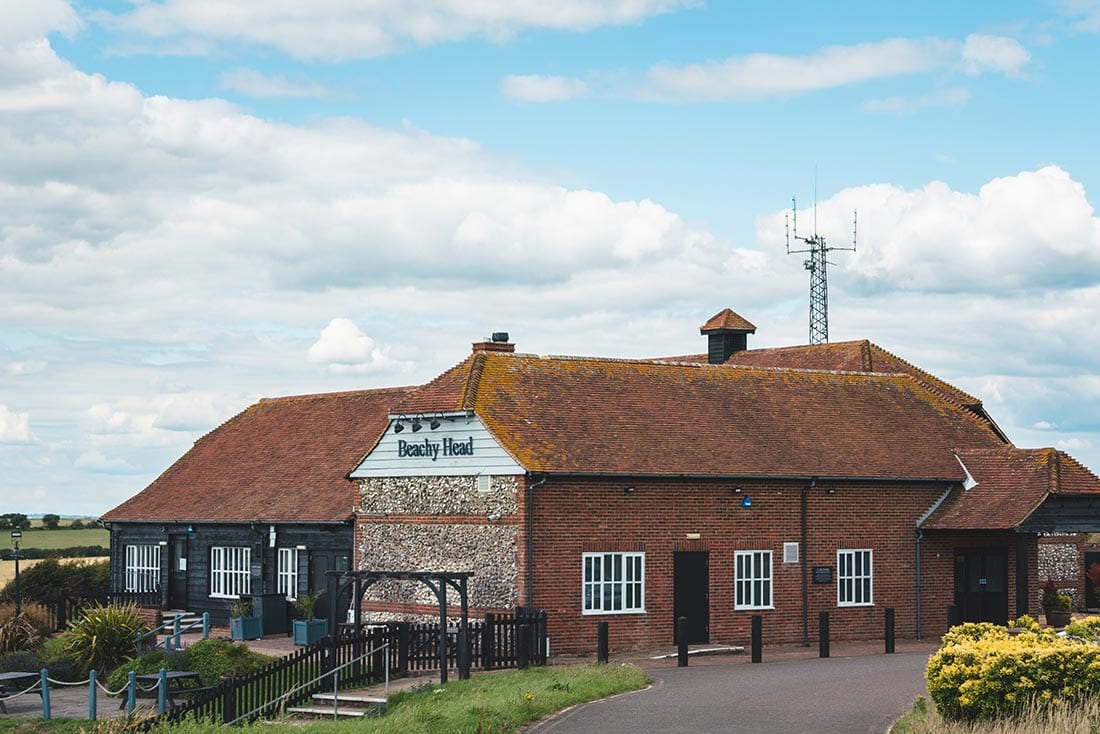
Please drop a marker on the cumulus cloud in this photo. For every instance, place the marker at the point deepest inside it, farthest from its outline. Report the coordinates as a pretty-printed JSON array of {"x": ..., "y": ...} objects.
[
  {"x": 14, "y": 427},
  {"x": 24, "y": 21},
  {"x": 536, "y": 88},
  {"x": 1033, "y": 230},
  {"x": 982, "y": 53},
  {"x": 1086, "y": 12},
  {"x": 1044, "y": 426},
  {"x": 333, "y": 29},
  {"x": 256, "y": 84},
  {"x": 344, "y": 348}
]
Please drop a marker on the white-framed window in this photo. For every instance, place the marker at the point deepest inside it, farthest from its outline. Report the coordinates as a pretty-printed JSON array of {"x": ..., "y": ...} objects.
[
  {"x": 613, "y": 583},
  {"x": 230, "y": 571},
  {"x": 287, "y": 581},
  {"x": 752, "y": 579},
  {"x": 854, "y": 578},
  {"x": 142, "y": 567}
]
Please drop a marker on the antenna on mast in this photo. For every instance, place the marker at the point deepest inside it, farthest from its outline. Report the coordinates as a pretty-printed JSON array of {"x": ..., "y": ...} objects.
[{"x": 817, "y": 264}]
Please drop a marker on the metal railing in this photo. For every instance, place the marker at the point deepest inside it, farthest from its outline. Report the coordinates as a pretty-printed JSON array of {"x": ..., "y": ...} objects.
[{"x": 176, "y": 631}]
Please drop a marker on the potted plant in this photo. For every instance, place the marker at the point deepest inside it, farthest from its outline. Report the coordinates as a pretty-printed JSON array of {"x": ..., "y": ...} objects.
[
  {"x": 244, "y": 624},
  {"x": 1056, "y": 606},
  {"x": 309, "y": 630}
]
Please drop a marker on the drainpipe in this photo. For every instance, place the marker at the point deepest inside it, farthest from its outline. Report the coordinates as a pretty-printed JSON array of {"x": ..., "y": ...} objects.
[
  {"x": 805, "y": 565},
  {"x": 920, "y": 537},
  {"x": 531, "y": 538}
]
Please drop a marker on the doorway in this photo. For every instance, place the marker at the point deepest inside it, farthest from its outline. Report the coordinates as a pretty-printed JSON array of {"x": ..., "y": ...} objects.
[
  {"x": 320, "y": 563},
  {"x": 177, "y": 572},
  {"x": 981, "y": 584},
  {"x": 691, "y": 595}
]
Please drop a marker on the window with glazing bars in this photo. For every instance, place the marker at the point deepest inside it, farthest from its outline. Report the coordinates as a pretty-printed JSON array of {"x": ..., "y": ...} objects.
[
  {"x": 142, "y": 568},
  {"x": 613, "y": 583},
  {"x": 753, "y": 579},
  {"x": 854, "y": 578},
  {"x": 230, "y": 571},
  {"x": 288, "y": 572}
]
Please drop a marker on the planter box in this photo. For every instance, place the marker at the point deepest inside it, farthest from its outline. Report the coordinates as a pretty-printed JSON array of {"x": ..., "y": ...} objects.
[
  {"x": 1058, "y": 618},
  {"x": 306, "y": 632},
  {"x": 245, "y": 628}
]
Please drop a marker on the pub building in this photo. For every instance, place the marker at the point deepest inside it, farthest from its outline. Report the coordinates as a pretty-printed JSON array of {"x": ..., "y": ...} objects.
[{"x": 718, "y": 486}]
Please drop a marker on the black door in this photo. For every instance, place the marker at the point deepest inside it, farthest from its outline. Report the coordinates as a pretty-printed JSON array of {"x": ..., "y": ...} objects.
[
  {"x": 981, "y": 584},
  {"x": 691, "y": 595},
  {"x": 177, "y": 572}
]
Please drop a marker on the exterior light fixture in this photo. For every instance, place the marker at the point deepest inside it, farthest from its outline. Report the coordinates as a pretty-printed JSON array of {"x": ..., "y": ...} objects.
[
  {"x": 735, "y": 490},
  {"x": 398, "y": 427},
  {"x": 434, "y": 424},
  {"x": 746, "y": 501},
  {"x": 830, "y": 490},
  {"x": 630, "y": 490},
  {"x": 416, "y": 425},
  {"x": 494, "y": 517}
]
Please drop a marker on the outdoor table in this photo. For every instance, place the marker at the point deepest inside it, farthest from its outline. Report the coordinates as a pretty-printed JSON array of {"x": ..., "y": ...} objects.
[
  {"x": 177, "y": 683},
  {"x": 28, "y": 679}
]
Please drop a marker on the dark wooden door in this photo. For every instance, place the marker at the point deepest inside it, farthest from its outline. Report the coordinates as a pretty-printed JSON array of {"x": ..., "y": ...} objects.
[
  {"x": 320, "y": 563},
  {"x": 691, "y": 595},
  {"x": 981, "y": 584},
  {"x": 177, "y": 572}
]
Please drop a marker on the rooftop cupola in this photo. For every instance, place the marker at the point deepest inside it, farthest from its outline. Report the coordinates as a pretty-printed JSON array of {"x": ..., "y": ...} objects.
[{"x": 726, "y": 332}]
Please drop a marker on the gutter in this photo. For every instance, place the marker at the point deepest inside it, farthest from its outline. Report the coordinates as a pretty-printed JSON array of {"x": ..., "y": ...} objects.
[{"x": 788, "y": 477}]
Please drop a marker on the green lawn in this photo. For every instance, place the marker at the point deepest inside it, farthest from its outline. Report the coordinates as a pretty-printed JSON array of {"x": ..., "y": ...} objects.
[{"x": 49, "y": 539}]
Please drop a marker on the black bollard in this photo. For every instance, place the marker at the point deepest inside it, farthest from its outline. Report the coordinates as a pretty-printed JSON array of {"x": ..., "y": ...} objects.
[
  {"x": 682, "y": 642},
  {"x": 889, "y": 630},
  {"x": 757, "y": 638},
  {"x": 601, "y": 642},
  {"x": 823, "y": 635}
]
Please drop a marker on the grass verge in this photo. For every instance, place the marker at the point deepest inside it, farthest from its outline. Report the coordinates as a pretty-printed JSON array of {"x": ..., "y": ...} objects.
[
  {"x": 487, "y": 703},
  {"x": 1080, "y": 718}
]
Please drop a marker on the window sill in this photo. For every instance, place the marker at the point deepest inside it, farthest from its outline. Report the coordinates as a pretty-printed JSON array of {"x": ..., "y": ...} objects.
[
  {"x": 753, "y": 609},
  {"x": 602, "y": 613}
]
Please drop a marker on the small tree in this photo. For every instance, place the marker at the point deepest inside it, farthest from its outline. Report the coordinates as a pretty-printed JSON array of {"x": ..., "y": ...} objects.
[
  {"x": 103, "y": 637},
  {"x": 51, "y": 521}
]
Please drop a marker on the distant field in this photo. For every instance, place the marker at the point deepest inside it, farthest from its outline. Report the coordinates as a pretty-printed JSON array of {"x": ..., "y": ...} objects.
[
  {"x": 48, "y": 539},
  {"x": 7, "y": 568}
]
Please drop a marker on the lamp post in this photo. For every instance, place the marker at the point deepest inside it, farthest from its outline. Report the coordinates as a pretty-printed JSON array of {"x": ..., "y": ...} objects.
[{"x": 15, "y": 536}]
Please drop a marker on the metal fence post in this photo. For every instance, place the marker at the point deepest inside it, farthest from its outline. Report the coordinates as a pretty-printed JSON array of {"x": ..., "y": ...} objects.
[
  {"x": 45, "y": 683},
  {"x": 162, "y": 692},
  {"x": 131, "y": 692},
  {"x": 91, "y": 695}
]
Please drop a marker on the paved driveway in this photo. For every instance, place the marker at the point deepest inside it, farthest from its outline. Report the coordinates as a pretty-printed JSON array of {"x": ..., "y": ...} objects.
[{"x": 826, "y": 696}]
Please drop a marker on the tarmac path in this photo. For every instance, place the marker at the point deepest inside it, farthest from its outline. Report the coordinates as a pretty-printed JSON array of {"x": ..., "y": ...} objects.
[{"x": 849, "y": 695}]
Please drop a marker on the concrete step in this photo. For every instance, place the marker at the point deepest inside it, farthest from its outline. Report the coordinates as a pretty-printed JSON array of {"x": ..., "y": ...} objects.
[
  {"x": 351, "y": 699},
  {"x": 322, "y": 711}
]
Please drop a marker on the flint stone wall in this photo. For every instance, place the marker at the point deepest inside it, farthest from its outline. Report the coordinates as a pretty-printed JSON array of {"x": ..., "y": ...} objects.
[
  {"x": 487, "y": 550},
  {"x": 1059, "y": 561},
  {"x": 437, "y": 496}
]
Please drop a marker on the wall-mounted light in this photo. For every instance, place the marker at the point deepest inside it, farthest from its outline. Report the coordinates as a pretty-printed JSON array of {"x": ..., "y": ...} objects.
[
  {"x": 693, "y": 535},
  {"x": 416, "y": 425},
  {"x": 630, "y": 490},
  {"x": 435, "y": 423},
  {"x": 830, "y": 490},
  {"x": 190, "y": 528},
  {"x": 494, "y": 517},
  {"x": 746, "y": 501},
  {"x": 299, "y": 547},
  {"x": 398, "y": 427},
  {"x": 163, "y": 542},
  {"x": 735, "y": 490}
]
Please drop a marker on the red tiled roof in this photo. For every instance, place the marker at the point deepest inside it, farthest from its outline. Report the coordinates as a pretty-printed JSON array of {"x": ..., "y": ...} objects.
[
  {"x": 727, "y": 320},
  {"x": 584, "y": 415},
  {"x": 853, "y": 356},
  {"x": 1011, "y": 483},
  {"x": 281, "y": 459}
]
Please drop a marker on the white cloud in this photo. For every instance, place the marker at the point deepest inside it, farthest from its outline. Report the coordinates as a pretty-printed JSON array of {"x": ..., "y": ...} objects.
[
  {"x": 337, "y": 29},
  {"x": 756, "y": 76},
  {"x": 19, "y": 369},
  {"x": 255, "y": 84},
  {"x": 983, "y": 53},
  {"x": 1044, "y": 426},
  {"x": 30, "y": 21},
  {"x": 536, "y": 88},
  {"x": 344, "y": 348},
  {"x": 1087, "y": 12},
  {"x": 95, "y": 461},
  {"x": 941, "y": 98},
  {"x": 1074, "y": 444},
  {"x": 14, "y": 427}
]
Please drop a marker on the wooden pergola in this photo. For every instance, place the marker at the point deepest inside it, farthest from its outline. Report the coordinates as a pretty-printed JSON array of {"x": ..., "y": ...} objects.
[{"x": 357, "y": 582}]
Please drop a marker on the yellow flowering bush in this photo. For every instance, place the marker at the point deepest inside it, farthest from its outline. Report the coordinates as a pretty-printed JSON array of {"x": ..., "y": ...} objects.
[{"x": 985, "y": 671}]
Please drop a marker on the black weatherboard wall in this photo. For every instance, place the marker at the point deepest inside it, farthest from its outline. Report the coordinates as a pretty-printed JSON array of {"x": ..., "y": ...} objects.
[{"x": 327, "y": 547}]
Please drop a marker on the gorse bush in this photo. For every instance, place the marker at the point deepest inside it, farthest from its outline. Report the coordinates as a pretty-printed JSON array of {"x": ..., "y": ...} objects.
[
  {"x": 984, "y": 671},
  {"x": 104, "y": 636}
]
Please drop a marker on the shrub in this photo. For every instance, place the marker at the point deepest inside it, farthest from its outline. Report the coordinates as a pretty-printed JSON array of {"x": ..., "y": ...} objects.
[
  {"x": 982, "y": 671},
  {"x": 1086, "y": 629},
  {"x": 46, "y": 580},
  {"x": 103, "y": 637},
  {"x": 212, "y": 659},
  {"x": 20, "y": 662},
  {"x": 27, "y": 632}
]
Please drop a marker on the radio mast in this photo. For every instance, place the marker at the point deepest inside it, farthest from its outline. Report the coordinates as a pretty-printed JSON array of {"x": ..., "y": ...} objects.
[{"x": 817, "y": 264}]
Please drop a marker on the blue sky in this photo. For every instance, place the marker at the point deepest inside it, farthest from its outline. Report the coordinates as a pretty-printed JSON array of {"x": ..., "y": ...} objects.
[{"x": 204, "y": 203}]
